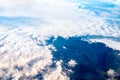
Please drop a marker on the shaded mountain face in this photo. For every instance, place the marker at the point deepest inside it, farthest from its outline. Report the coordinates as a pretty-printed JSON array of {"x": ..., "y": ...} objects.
[{"x": 92, "y": 61}]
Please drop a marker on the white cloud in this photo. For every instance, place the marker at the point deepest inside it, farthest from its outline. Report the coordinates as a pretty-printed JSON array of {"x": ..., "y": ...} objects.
[
  {"x": 110, "y": 43},
  {"x": 111, "y": 73},
  {"x": 56, "y": 74},
  {"x": 72, "y": 63},
  {"x": 20, "y": 50},
  {"x": 21, "y": 46},
  {"x": 114, "y": 1},
  {"x": 64, "y": 47}
]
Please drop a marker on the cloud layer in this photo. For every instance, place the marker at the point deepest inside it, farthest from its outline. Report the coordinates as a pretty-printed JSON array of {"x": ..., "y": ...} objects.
[{"x": 26, "y": 25}]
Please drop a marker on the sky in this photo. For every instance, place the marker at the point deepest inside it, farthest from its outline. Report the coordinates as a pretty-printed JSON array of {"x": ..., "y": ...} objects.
[{"x": 26, "y": 24}]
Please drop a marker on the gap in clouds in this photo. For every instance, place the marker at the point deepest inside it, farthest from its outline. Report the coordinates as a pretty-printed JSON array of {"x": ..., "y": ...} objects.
[{"x": 93, "y": 60}]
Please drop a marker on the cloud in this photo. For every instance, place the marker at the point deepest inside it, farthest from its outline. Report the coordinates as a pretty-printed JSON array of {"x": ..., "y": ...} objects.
[
  {"x": 24, "y": 54},
  {"x": 110, "y": 43},
  {"x": 17, "y": 2},
  {"x": 72, "y": 63},
  {"x": 18, "y": 50},
  {"x": 57, "y": 74},
  {"x": 23, "y": 50},
  {"x": 111, "y": 72},
  {"x": 114, "y": 1}
]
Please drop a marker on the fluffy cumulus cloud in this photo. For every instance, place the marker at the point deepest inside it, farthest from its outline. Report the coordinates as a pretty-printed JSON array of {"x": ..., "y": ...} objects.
[
  {"x": 25, "y": 25},
  {"x": 72, "y": 63}
]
